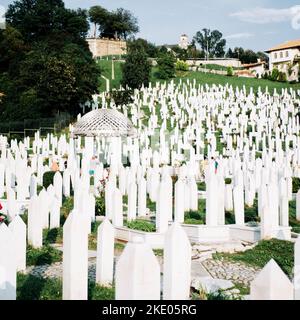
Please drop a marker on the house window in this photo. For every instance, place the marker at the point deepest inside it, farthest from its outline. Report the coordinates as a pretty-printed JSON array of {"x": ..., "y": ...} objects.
[
  {"x": 281, "y": 54},
  {"x": 275, "y": 55},
  {"x": 286, "y": 54}
]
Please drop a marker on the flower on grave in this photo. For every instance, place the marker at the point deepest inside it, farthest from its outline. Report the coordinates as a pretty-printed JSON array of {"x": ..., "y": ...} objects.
[{"x": 1, "y": 206}]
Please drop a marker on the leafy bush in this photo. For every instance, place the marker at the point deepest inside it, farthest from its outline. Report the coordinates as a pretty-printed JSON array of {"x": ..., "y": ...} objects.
[
  {"x": 229, "y": 71},
  {"x": 182, "y": 66},
  {"x": 141, "y": 225},
  {"x": 166, "y": 66},
  {"x": 44, "y": 255},
  {"x": 274, "y": 75},
  {"x": 296, "y": 184},
  {"x": 53, "y": 235},
  {"x": 30, "y": 287},
  {"x": 100, "y": 206},
  {"x": 121, "y": 97},
  {"x": 96, "y": 292},
  {"x": 48, "y": 178},
  {"x": 228, "y": 180},
  {"x": 282, "y": 77}
]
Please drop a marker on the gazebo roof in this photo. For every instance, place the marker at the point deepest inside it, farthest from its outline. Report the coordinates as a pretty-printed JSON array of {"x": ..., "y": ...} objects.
[{"x": 103, "y": 123}]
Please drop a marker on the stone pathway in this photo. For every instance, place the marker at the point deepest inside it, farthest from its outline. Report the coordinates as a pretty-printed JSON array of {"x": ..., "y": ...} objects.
[
  {"x": 227, "y": 270},
  {"x": 203, "y": 265}
]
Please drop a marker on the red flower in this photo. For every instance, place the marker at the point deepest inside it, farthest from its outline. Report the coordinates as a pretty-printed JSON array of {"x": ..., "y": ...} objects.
[{"x": 1, "y": 206}]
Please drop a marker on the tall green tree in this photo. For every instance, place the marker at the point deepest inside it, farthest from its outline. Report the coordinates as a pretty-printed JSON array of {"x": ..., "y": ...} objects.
[
  {"x": 99, "y": 17},
  {"x": 166, "y": 65},
  {"x": 53, "y": 67},
  {"x": 136, "y": 69},
  {"x": 211, "y": 42}
]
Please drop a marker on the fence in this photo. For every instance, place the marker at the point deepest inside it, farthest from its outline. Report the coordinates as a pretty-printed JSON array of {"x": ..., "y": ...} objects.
[{"x": 27, "y": 127}]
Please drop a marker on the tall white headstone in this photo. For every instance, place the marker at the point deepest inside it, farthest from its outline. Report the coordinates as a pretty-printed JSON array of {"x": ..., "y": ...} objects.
[
  {"x": 18, "y": 230},
  {"x": 8, "y": 270},
  {"x": 177, "y": 264},
  {"x": 75, "y": 257},
  {"x": 105, "y": 253}
]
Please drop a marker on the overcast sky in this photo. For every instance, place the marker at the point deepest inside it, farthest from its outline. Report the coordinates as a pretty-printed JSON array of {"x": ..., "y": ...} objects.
[{"x": 255, "y": 24}]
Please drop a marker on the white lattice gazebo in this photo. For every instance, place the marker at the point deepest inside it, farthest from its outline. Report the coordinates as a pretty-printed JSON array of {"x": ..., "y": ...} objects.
[{"x": 103, "y": 123}]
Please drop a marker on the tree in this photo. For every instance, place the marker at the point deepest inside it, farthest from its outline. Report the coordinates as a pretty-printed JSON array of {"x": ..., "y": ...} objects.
[
  {"x": 120, "y": 23},
  {"x": 99, "y": 17},
  {"x": 166, "y": 65},
  {"x": 136, "y": 69},
  {"x": 124, "y": 23},
  {"x": 150, "y": 49},
  {"x": 211, "y": 42},
  {"x": 53, "y": 67},
  {"x": 40, "y": 19}
]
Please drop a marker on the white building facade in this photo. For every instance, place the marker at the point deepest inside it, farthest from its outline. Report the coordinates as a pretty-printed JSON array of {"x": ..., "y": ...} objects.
[{"x": 286, "y": 57}]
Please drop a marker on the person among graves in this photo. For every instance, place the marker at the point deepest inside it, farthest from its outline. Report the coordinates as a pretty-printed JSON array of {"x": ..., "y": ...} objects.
[
  {"x": 93, "y": 163},
  {"x": 54, "y": 166}
]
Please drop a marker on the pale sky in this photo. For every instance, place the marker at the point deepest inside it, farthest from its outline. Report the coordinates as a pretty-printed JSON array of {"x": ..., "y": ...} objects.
[{"x": 255, "y": 24}]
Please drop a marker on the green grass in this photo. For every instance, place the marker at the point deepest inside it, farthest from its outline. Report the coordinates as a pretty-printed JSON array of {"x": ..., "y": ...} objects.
[
  {"x": 158, "y": 252},
  {"x": 53, "y": 236},
  {"x": 279, "y": 250},
  {"x": 141, "y": 225},
  {"x": 44, "y": 255},
  {"x": 106, "y": 71},
  {"x": 30, "y": 287},
  {"x": 294, "y": 223},
  {"x": 93, "y": 235},
  {"x": 201, "y": 78}
]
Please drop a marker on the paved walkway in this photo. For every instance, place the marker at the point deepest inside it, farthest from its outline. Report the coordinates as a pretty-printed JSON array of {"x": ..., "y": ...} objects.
[{"x": 203, "y": 265}]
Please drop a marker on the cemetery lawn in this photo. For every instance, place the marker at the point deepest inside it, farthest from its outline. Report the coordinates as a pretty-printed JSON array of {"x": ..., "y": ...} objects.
[
  {"x": 200, "y": 77},
  {"x": 141, "y": 225},
  {"x": 280, "y": 250},
  {"x": 294, "y": 223},
  {"x": 30, "y": 287},
  {"x": 105, "y": 68},
  {"x": 44, "y": 255}
]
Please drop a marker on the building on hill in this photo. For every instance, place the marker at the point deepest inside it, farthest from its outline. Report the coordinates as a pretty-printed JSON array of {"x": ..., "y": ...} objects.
[
  {"x": 101, "y": 47},
  {"x": 257, "y": 68},
  {"x": 286, "y": 57},
  {"x": 184, "y": 41}
]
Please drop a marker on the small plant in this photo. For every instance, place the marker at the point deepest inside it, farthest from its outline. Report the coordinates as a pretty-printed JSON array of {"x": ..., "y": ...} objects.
[
  {"x": 274, "y": 75},
  {"x": 96, "y": 292},
  {"x": 30, "y": 287},
  {"x": 296, "y": 184},
  {"x": 141, "y": 225},
  {"x": 181, "y": 66},
  {"x": 44, "y": 255},
  {"x": 228, "y": 180},
  {"x": 229, "y": 71},
  {"x": 48, "y": 178},
  {"x": 100, "y": 206}
]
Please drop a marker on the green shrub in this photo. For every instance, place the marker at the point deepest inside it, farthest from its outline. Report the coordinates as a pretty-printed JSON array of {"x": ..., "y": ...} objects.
[
  {"x": 274, "y": 75},
  {"x": 100, "y": 206},
  {"x": 96, "y": 292},
  {"x": 166, "y": 66},
  {"x": 228, "y": 180},
  {"x": 30, "y": 287},
  {"x": 282, "y": 77},
  {"x": 181, "y": 66},
  {"x": 141, "y": 225},
  {"x": 48, "y": 178},
  {"x": 53, "y": 235},
  {"x": 229, "y": 71},
  {"x": 44, "y": 255},
  {"x": 296, "y": 184}
]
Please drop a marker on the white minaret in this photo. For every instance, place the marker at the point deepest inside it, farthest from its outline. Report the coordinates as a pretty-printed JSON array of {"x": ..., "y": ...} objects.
[{"x": 184, "y": 41}]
